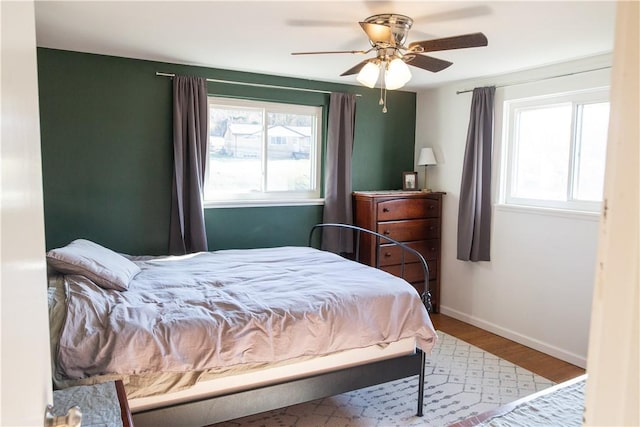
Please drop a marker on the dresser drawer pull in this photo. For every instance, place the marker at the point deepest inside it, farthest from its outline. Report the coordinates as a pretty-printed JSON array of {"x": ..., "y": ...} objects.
[
  {"x": 386, "y": 232},
  {"x": 387, "y": 254},
  {"x": 385, "y": 209}
]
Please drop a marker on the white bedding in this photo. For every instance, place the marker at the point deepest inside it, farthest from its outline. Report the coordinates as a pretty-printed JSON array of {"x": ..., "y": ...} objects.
[{"x": 217, "y": 312}]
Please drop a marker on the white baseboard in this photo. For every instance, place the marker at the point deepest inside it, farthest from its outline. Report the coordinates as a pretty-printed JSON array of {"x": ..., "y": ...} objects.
[{"x": 517, "y": 337}]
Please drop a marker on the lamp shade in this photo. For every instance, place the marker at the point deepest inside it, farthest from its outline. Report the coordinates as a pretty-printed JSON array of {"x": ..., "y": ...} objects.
[
  {"x": 427, "y": 157},
  {"x": 397, "y": 74},
  {"x": 368, "y": 76}
]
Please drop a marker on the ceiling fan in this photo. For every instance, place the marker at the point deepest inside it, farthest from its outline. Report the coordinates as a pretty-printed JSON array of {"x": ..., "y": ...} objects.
[{"x": 387, "y": 35}]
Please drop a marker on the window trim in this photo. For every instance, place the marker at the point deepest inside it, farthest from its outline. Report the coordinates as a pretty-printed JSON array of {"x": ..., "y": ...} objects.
[
  {"x": 560, "y": 213},
  {"x": 261, "y": 203},
  {"x": 508, "y": 171},
  {"x": 273, "y": 198}
]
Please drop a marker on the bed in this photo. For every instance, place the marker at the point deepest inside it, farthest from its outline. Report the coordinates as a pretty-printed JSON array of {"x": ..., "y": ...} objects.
[{"x": 208, "y": 337}]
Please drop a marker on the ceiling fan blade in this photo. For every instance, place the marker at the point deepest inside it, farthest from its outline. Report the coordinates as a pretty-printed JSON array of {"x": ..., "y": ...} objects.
[
  {"x": 428, "y": 63},
  {"x": 355, "y": 69},
  {"x": 448, "y": 43},
  {"x": 331, "y": 51},
  {"x": 378, "y": 33}
]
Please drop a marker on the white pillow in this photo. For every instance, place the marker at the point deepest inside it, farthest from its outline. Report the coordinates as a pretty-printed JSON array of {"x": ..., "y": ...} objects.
[{"x": 99, "y": 264}]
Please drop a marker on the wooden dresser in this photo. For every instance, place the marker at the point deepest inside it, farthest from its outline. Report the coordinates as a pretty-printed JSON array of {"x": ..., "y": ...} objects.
[{"x": 411, "y": 217}]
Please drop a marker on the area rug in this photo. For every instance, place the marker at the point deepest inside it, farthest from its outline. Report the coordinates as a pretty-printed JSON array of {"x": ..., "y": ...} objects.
[{"x": 461, "y": 381}]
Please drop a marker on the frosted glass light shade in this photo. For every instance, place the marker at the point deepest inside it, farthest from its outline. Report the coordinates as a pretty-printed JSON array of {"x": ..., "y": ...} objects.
[
  {"x": 427, "y": 157},
  {"x": 368, "y": 76},
  {"x": 397, "y": 74}
]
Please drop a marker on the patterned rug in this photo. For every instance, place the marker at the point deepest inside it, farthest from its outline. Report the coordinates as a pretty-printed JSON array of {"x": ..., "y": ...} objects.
[{"x": 461, "y": 381}]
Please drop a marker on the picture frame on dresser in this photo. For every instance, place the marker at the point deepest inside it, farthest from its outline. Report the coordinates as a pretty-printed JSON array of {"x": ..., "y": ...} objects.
[{"x": 409, "y": 181}]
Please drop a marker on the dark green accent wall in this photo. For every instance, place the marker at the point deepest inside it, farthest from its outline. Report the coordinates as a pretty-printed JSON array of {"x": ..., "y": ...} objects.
[{"x": 107, "y": 152}]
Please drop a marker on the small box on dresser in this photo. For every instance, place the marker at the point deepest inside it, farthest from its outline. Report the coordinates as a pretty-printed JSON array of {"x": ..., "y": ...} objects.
[{"x": 411, "y": 217}]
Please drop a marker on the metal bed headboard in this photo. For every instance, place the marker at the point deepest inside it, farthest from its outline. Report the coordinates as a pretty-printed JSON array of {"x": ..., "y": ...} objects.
[{"x": 426, "y": 295}]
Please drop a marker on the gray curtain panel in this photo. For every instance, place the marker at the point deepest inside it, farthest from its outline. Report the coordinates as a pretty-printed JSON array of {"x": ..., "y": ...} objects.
[
  {"x": 190, "y": 129},
  {"x": 474, "y": 214},
  {"x": 337, "y": 197}
]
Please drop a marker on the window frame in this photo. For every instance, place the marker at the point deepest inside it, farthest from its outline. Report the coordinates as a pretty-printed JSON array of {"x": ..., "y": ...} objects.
[
  {"x": 510, "y": 128},
  {"x": 272, "y": 198}
]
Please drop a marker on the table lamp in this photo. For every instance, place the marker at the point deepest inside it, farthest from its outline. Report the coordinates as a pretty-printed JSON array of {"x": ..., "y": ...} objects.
[{"x": 425, "y": 159}]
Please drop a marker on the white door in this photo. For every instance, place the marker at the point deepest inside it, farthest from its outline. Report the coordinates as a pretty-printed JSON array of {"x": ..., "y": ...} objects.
[{"x": 25, "y": 372}]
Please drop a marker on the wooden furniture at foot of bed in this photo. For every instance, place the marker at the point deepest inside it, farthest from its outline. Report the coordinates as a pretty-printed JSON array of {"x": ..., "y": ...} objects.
[
  {"x": 248, "y": 402},
  {"x": 100, "y": 404},
  {"x": 125, "y": 413}
]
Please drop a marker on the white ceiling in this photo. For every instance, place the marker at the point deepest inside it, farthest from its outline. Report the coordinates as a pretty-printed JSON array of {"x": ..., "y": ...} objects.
[{"x": 259, "y": 36}]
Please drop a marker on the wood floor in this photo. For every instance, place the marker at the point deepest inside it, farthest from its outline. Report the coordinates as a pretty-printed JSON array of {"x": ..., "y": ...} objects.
[{"x": 542, "y": 364}]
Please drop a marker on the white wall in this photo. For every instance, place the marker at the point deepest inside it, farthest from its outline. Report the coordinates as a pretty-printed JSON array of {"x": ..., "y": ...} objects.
[
  {"x": 25, "y": 370},
  {"x": 537, "y": 289}
]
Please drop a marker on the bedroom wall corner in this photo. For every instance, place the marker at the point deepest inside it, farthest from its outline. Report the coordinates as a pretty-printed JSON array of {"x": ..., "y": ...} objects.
[{"x": 537, "y": 288}]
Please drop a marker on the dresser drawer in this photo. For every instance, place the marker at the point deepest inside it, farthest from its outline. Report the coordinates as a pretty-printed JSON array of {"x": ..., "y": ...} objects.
[
  {"x": 407, "y": 209},
  {"x": 392, "y": 254},
  {"x": 417, "y": 229},
  {"x": 413, "y": 272}
]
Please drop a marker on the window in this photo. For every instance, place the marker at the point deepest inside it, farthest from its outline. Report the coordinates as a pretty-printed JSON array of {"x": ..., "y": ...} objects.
[
  {"x": 555, "y": 151},
  {"x": 262, "y": 153}
]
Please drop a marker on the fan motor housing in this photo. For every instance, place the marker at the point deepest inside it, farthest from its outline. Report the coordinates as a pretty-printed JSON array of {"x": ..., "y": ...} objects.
[{"x": 399, "y": 24}]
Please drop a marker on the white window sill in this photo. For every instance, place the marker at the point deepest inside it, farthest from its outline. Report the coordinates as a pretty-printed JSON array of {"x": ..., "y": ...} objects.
[
  {"x": 535, "y": 210},
  {"x": 261, "y": 203}
]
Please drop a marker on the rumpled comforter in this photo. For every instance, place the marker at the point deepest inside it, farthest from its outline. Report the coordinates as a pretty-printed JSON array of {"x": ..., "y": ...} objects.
[{"x": 235, "y": 307}]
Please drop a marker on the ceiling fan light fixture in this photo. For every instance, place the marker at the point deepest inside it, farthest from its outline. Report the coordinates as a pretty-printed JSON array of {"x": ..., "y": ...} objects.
[
  {"x": 387, "y": 34},
  {"x": 369, "y": 74},
  {"x": 397, "y": 74}
]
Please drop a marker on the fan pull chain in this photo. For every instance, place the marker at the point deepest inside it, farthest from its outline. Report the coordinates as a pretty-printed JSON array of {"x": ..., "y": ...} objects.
[
  {"x": 381, "y": 75},
  {"x": 384, "y": 108},
  {"x": 383, "y": 88}
]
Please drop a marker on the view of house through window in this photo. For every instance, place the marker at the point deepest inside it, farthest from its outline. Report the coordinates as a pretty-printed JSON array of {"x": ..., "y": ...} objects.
[
  {"x": 262, "y": 151},
  {"x": 556, "y": 150}
]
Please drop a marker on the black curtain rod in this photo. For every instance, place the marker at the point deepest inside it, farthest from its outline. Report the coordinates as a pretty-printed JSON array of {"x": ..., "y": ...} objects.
[
  {"x": 539, "y": 79},
  {"x": 255, "y": 84}
]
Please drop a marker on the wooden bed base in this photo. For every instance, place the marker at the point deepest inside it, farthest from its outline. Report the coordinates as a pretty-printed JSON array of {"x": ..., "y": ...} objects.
[{"x": 253, "y": 401}]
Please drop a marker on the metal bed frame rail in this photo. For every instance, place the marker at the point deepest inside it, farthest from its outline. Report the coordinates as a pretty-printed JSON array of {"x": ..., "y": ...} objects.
[
  {"x": 426, "y": 295},
  {"x": 253, "y": 401}
]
